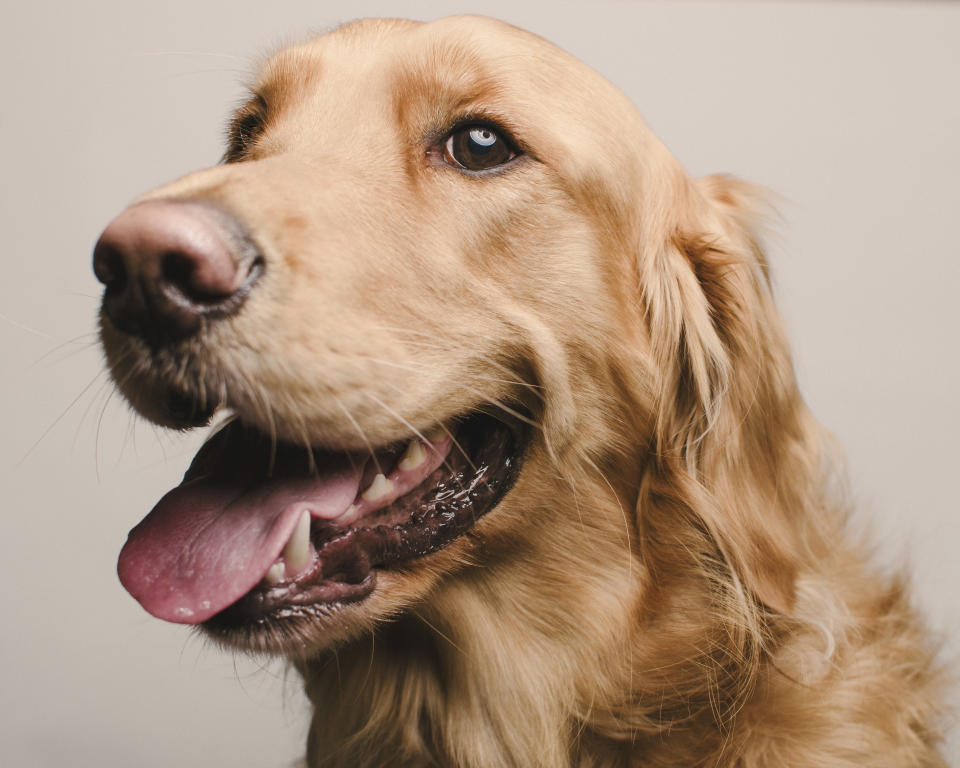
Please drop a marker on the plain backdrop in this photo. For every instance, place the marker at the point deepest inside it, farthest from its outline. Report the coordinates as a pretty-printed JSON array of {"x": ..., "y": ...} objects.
[{"x": 848, "y": 111}]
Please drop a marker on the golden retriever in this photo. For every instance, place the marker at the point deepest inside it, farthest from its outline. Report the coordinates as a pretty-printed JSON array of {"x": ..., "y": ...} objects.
[{"x": 518, "y": 473}]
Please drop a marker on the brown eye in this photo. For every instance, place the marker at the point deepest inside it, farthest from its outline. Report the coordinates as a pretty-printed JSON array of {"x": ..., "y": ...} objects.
[
  {"x": 477, "y": 148},
  {"x": 245, "y": 129}
]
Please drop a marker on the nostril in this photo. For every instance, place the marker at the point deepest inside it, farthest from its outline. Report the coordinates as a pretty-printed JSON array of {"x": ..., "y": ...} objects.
[
  {"x": 170, "y": 267},
  {"x": 176, "y": 269},
  {"x": 109, "y": 268},
  {"x": 190, "y": 274},
  {"x": 201, "y": 269}
]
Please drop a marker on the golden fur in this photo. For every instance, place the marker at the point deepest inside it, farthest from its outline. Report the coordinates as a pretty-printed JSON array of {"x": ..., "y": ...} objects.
[{"x": 670, "y": 582}]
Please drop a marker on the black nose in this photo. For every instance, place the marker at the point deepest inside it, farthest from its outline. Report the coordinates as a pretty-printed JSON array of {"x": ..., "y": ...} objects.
[{"x": 169, "y": 265}]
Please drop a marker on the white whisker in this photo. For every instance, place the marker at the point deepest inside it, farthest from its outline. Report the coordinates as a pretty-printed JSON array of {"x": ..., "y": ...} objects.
[
  {"x": 305, "y": 434},
  {"x": 26, "y": 328},
  {"x": 360, "y": 432},
  {"x": 59, "y": 418},
  {"x": 92, "y": 341},
  {"x": 481, "y": 395},
  {"x": 535, "y": 389},
  {"x": 415, "y": 431},
  {"x": 211, "y": 54}
]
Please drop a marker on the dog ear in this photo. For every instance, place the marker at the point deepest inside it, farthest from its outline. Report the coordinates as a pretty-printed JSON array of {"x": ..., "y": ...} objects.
[{"x": 731, "y": 432}]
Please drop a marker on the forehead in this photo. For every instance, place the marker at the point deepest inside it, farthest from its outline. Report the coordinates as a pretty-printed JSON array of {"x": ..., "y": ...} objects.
[
  {"x": 368, "y": 80},
  {"x": 454, "y": 63}
]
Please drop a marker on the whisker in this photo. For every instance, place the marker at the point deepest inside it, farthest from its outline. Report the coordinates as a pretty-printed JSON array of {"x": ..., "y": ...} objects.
[
  {"x": 60, "y": 417},
  {"x": 535, "y": 389},
  {"x": 274, "y": 436},
  {"x": 458, "y": 447},
  {"x": 119, "y": 385},
  {"x": 26, "y": 328},
  {"x": 482, "y": 395},
  {"x": 439, "y": 633},
  {"x": 86, "y": 412},
  {"x": 359, "y": 429},
  {"x": 305, "y": 434},
  {"x": 211, "y": 71},
  {"x": 211, "y": 54},
  {"x": 415, "y": 431},
  {"x": 63, "y": 345},
  {"x": 455, "y": 442},
  {"x": 253, "y": 394},
  {"x": 129, "y": 436},
  {"x": 158, "y": 435},
  {"x": 96, "y": 439}
]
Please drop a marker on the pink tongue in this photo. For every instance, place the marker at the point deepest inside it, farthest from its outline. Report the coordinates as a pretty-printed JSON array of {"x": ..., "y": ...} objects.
[{"x": 211, "y": 539}]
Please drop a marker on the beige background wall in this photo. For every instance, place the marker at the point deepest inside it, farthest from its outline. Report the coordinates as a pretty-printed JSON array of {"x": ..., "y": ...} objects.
[{"x": 849, "y": 111}]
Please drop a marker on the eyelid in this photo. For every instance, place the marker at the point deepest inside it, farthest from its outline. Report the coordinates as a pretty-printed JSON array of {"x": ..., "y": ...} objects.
[
  {"x": 481, "y": 120},
  {"x": 253, "y": 117}
]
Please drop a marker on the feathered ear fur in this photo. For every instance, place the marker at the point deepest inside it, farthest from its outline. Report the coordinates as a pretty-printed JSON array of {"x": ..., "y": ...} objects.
[{"x": 732, "y": 434}]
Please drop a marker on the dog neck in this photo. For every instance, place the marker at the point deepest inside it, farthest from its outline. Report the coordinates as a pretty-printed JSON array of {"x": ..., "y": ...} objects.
[{"x": 472, "y": 678}]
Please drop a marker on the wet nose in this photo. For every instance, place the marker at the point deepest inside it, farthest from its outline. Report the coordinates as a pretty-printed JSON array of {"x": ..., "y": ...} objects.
[{"x": 167, "y": 266}]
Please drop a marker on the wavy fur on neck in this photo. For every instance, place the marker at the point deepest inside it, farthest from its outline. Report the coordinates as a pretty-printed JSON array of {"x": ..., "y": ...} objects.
[{"x": 705, "y": 607}]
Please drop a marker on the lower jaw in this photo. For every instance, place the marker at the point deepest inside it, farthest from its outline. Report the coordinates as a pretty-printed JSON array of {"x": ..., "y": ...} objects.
[
  {"x": 350, "y": 562},
  {"x": 294, "y": 630}
]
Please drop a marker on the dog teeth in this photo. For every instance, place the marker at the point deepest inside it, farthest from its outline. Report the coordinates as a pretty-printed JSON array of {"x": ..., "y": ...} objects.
[
  {"x": 413, "y": 457},
  {"x": 378, "y": 489},
  {"x": 296, "y": 553},
  {"x": 276, "y": 574}
]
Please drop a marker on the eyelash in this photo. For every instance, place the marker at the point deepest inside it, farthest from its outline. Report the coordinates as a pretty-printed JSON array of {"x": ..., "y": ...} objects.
[{"x": 245, "y": 130}]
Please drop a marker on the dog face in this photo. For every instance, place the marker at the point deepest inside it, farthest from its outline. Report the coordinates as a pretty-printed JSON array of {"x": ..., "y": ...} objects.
[{"x": 458, "y": 299}]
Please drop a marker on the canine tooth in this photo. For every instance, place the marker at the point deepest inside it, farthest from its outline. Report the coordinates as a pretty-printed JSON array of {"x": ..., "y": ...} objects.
[
  {"x": 296, "y": 553},
  {"x": 379, "y": 488},
  {"x": 413, "y": 457},
  {"x": 276, "y": 574}
]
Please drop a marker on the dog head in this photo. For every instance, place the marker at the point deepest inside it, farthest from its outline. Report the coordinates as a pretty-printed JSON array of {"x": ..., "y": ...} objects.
[{"x": 474, "y": 325}]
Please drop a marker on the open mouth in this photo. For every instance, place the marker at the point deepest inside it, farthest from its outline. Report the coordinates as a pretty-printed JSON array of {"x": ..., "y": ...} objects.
[{"x": 260, "y": 529}]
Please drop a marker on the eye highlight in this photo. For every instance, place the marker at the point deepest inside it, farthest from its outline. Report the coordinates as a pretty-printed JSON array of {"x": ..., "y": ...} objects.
[{"x": 478, "y": 147}]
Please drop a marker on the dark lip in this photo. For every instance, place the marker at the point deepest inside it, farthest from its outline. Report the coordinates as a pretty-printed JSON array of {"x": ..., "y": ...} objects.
[
  {"x": 443, "y": 508},
  {"x": 187, "y": 411}
]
